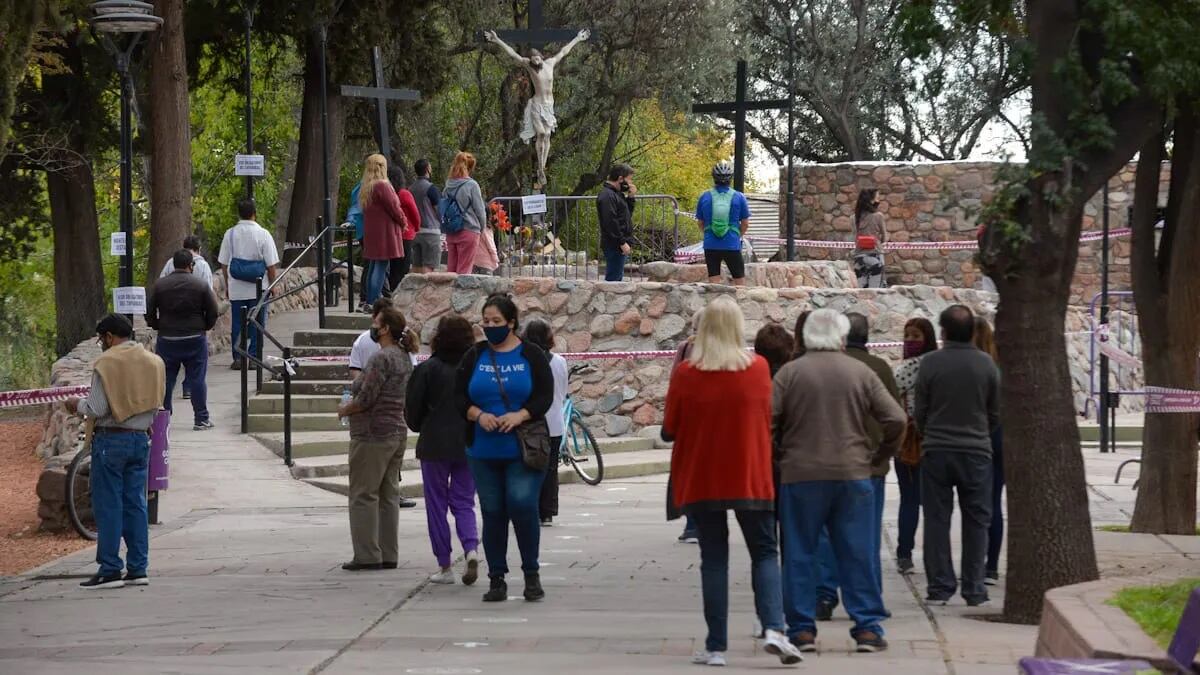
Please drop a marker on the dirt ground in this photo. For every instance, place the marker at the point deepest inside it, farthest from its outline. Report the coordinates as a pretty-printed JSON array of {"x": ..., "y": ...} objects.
[{"x": 21, "y": 545}]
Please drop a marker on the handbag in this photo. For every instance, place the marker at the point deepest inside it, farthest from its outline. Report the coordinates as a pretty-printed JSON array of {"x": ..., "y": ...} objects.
[
  {"x": 866, "y": 242},
  {"x": 533, "y": 436},
  {"x": 247, "y": 270},
  {"x": 910, "y": 449}
]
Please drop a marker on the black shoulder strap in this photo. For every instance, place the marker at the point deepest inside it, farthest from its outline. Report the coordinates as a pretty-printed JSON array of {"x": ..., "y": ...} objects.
[{"x": 499, "y": 381}]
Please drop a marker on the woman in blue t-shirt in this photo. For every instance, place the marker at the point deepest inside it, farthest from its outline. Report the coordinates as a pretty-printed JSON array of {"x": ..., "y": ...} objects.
[{"x": 501, "y": 384}]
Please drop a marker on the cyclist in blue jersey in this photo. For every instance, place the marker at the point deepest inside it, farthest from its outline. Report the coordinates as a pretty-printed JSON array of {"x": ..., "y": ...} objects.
[{"x": 724, "y": 215}]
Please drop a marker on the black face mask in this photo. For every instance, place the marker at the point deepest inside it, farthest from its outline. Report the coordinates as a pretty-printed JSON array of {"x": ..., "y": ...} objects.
[
  {"x": 375, "y": 332},
  {"x": 624, "y": 186}
]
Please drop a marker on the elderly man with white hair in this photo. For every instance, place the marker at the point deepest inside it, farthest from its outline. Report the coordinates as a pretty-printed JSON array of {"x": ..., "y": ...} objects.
[{"x": 820, "y": 407}]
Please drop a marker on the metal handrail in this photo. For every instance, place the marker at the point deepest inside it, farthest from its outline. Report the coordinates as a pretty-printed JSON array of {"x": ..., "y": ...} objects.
[{"x": 266, "y": 295}]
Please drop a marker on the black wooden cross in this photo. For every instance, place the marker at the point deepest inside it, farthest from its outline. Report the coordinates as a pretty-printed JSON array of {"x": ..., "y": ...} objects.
[
  {"x": 381, "y": 95},
  {"x": 537, "y": 35},
  {"x": 738, "y": 107}
]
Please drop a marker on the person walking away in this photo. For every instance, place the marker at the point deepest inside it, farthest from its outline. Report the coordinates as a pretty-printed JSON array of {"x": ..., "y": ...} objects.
[
  {"x": 870, "y": 234},
  {"x": 377, "y": 443},
  {"x": 539, "y": 333},
  {"x": 182, "y": 308},
  {"x": 502, "y": 384},
  {"x": 690, "y": 534},
  {"x": 821, "y": 405},
  {"x": 200, "y": 269},
  {"x": 718, "y": 466},
  {"x": 384, "y": 224},
  {"x": 827, "y": 588},
  {"x": 427, "y": 247},
  {"x": 724, "y": 216},
  {"x": 985, "y": 341},
  {"x": 441, "y": 449},
  {"x": 463, "y": 214},
  {"x": 354, "y": 216},
  {"x": 919, "y": 340},
  {"x": 398, "y": 269},
  {"x": 614, "y": 208},
  {"x": 128, "y": 384},
  {"x": 247, "y": 254},
  {"x": 956, "y": 411}
]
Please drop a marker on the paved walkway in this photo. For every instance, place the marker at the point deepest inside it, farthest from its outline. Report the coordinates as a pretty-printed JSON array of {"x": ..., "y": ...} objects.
[{"x": 246, "y": 577}]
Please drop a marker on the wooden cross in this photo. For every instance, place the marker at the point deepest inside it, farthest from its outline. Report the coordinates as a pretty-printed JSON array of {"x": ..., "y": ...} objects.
[
  {"x": 537, "y": 35},
  {"x": 738, "y": 107},
  {"x": 381, "y": 95}
]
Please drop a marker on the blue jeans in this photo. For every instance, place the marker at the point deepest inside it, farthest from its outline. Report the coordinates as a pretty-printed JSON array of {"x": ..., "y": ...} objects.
[
  {"x": 909, "y": 480},
  {"x": 614, "y": 265},
  {"x": 119, "y": 464},
  {"x": 827, "y": 579},
  {"x": 508, "y": 492},
  {"x": 758, "y": 529},
  {"x": 846, "y": 509},
  {"x": 192, "y": 354},
  {"x": 253, "y": 335}
]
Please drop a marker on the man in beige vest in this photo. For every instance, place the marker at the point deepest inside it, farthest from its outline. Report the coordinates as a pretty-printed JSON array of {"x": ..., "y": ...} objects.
[{"x": 128, "y": 385}]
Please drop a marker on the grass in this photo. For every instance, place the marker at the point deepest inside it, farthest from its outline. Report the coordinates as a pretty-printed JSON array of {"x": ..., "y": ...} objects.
[
  {"x": 1156, "y": 608},
  {"x": 1125, "y": 528}
]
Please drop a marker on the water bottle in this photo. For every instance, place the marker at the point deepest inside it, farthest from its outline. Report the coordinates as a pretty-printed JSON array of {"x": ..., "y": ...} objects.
[{"x": 346, "y": 398}]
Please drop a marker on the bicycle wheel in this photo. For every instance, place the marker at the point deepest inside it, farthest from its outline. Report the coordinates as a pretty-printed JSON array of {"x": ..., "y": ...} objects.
[
  {"x": 79, "y": 495},
  {"x": 584, "y": 453}
]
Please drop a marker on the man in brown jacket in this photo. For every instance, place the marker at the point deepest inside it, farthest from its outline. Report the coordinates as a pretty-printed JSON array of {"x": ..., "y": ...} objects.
[{"x": 821, "y": 407}]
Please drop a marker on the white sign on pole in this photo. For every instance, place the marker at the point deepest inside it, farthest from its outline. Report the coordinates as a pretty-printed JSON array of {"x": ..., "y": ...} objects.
[
  {"x": 531, "y": 204},
  {"x": 129, "y": 300},
  {"x": 250, "y": 165},
  {"x": 116, "y": 243}
]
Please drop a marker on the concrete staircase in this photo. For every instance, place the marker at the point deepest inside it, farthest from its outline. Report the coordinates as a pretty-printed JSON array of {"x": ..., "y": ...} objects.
[{"x": 320, "y": 444}]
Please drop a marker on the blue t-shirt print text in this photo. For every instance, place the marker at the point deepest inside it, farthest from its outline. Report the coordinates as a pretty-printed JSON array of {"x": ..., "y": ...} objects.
[
  {"x": 517, "y": 376},
  {"x": 739, "y": 210}
]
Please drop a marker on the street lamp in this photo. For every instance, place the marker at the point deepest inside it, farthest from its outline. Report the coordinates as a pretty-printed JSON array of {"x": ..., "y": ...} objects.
[{"x": 113, "y": 19}]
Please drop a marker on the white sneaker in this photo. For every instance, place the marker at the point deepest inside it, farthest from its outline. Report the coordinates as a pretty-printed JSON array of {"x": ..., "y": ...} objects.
[
  {"x": 442, "y": 577},
  {"x": 709, "y": 658},
  {"x": 777, "y": 643},
  {"x": 471, "y": 573}
]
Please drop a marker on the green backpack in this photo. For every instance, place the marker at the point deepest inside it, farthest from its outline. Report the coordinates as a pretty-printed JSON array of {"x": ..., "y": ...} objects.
[{"x": 721, "y": 204}]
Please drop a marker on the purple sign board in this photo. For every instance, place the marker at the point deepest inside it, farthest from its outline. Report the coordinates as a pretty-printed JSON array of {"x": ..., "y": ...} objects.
[{"x": 159, "y": 452}]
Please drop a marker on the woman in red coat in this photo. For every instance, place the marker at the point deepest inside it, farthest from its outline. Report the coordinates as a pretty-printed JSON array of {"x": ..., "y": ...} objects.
[
  {"x": 719, "y": 413},
  {"x": 383, "y": 223}
]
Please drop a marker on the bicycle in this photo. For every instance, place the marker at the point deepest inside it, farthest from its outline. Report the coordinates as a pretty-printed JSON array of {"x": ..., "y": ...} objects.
[
  {"x": 578, "y": 448},
  {"x": 79, "y": 494}
]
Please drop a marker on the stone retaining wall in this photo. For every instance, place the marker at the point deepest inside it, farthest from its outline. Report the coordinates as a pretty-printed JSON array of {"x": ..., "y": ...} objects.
[
  {"x": 624, "y": 396},
  {"x": 940, "y": 201}
]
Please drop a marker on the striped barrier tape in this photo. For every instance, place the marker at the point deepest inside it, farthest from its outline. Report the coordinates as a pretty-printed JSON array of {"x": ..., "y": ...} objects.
[
  {"x": 957, "y": 245},
  {"x": 1166, "y": 400},
  {"x": 17, "y": 399}
]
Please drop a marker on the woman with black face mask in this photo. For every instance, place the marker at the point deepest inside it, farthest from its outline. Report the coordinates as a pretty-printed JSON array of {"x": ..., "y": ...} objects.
[
  {"x": 504, "y": 383},
  {"x": 919, "y": 340}
]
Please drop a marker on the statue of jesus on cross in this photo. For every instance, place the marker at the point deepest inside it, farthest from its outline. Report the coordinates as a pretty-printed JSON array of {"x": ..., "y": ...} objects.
[{"x": 540, "y": 122}]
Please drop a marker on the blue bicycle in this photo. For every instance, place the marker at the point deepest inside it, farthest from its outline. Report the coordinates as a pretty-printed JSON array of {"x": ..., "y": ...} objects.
[{"x": 579, "y": 448}]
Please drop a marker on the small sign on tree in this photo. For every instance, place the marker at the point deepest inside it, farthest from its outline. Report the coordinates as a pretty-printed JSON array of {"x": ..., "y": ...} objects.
[{"x": 249, "y": 165}]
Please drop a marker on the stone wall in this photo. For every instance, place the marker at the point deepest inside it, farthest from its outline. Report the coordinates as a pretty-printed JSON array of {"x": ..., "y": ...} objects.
[
  {"x": 940, "y": 201},
  {"x": 626, "y": 395},
  {"x": 811, "y": 274}
]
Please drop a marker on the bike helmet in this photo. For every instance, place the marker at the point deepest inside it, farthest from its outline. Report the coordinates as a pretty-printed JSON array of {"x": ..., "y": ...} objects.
[{"x": 723, "y": 172}]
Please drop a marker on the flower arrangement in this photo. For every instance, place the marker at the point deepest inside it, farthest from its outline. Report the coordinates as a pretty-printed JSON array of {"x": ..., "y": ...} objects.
[{"x": 500, "y": 221}]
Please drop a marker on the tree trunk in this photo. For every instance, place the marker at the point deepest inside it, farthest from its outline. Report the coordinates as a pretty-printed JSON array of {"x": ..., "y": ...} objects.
[
  {"x": 307, "y": 193},
  {"x": 79, "y": 297},
  {"x": 170, "y": 138},
  {"x": 1167, "y": 293}
]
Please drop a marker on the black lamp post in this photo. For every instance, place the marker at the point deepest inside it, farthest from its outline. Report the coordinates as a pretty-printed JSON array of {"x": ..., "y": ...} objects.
[
  {"x": 248, "y": 8},
  {"x": 113, "y": 19}
]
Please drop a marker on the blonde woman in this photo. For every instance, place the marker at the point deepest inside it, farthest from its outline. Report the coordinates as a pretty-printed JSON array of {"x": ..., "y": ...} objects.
[
  {"x": 383, "y": 223},
  {"x": 719, "y": 413},
  {"x": 463, "y": 193}
]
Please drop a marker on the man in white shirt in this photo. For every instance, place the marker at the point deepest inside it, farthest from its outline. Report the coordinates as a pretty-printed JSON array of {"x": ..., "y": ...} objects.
[
  {"x": 201, "y": 269},
  {"x": 247, "y": 251}
]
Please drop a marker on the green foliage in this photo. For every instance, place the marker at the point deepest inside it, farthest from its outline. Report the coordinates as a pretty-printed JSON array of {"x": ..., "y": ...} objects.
[
  {"x": 1156, "y": 609},
  {"x": 27, "y": 317}
]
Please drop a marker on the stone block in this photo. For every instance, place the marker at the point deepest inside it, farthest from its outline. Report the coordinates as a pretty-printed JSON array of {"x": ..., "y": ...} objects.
[{"x": 618, "y": 425}]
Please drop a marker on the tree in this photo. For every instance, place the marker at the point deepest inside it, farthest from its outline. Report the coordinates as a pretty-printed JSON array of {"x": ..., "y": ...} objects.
[
  {"x": 19, "y": 22},
  {"x": 1097, "y": 86},
  {"x": 170, "y": 137}
]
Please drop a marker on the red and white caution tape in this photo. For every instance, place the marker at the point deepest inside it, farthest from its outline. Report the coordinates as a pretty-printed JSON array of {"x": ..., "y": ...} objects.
[
  {"x": 1107, "y": 348},
  {"x": 1164, "y": 400},
  {"x": 17, "y": 399}
]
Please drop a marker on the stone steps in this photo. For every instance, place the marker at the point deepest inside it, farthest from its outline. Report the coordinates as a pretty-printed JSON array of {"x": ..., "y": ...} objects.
[
  {"x": 301, "y": 404},
  {"x": 308, "y": 387},
  {"x": 359, "y": 322},
  {"x": 326, "y": 338},
  {"x": 621, "y": 465}
]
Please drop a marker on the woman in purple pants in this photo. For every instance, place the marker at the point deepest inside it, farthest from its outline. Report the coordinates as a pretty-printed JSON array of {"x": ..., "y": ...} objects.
[{"x": 441, "y": 448}]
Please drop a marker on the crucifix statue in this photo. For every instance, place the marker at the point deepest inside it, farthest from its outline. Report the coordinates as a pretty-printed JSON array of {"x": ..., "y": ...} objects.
[{"x": 539, "y": 122}]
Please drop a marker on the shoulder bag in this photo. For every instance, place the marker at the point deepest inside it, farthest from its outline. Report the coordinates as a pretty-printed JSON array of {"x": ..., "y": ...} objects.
[
  {"x": 533, "y": 436},
  {"x": 910, "y": 449}
]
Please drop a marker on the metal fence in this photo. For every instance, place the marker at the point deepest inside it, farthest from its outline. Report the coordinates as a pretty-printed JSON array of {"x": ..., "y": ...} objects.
[
  {"x": 1119, "y": 340},
  {"x": 564, "y": 242}
]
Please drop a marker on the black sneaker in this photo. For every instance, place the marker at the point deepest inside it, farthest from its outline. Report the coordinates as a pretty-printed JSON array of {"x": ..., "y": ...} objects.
[
  {"x": 238, "y": 364},
  {"x": 137, "y": 579},
  {"x": 937, "y": 602},
  {"x": 186, "y": 394},
  {"x": 498, "y": 591},
  {"x": 805, "y": 641},
  {"x": 978, "y": 602},
  {"x": 689, "y": 537},
  {"x": 202, "y": 426},
  {"x": 533, "y": 587},
  {"x": 825, "y": 610},
  {"x": 407, "y": 503},
  {"x": 97, "y": 582},
  {"x": 869, "y": 642},
  {"x": 905, "y": 566},
  {"x": 361, "y": 567},
  {"x": 385, "y": 565},
  {"x": 547, "y": 522},
  {"x": 991, "y": 578}
]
